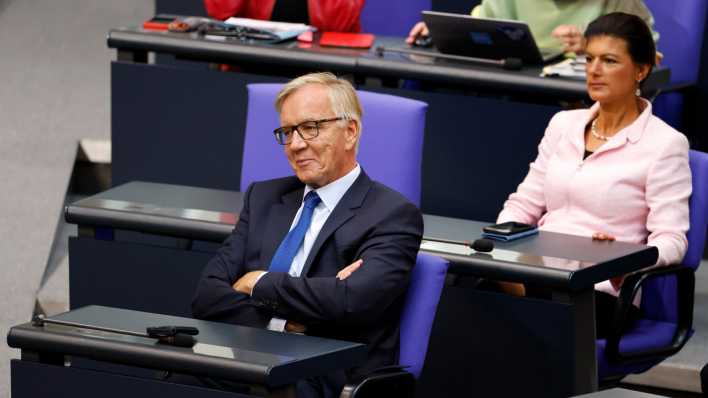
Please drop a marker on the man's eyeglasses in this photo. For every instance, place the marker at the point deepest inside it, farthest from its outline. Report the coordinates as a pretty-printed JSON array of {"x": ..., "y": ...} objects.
[{"x": 307, "y": 130}]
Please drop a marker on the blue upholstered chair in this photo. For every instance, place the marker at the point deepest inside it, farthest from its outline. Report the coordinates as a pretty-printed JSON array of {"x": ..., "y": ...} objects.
[
  {"x": 419, "y": 312},
  {"x": 392, "y": 17},
  {"x": 417, "y": 318},
  {"x": 680, "y": 25},
  {"x": 390, "y": 151},
  {"x": 667, "y": 297}
]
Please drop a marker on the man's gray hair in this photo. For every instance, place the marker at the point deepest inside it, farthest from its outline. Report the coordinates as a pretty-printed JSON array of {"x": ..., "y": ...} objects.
[{"x": 342, "y": 96}]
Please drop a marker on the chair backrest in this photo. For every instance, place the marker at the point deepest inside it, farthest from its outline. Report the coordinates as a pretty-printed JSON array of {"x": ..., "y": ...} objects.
[
  {"x": 680, "y": 26},
  {"x": 391, "y": 147},
  {"x": 419, "y": 309},
  {"x": 392, "y": 17},
  {"x": 698, "y": 207},
  {"x": 659, "y": 299}
]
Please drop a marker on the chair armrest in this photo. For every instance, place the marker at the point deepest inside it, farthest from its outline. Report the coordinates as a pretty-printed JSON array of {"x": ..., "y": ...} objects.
[
  {"x": 685, "y": 289},
  {"x": 391, "y": 381}
]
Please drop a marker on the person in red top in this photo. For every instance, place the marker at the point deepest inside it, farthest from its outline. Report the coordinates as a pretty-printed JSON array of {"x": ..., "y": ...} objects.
[{"x": 325, "y": 15}]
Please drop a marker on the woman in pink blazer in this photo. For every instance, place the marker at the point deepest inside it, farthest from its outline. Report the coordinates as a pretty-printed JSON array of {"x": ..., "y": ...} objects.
[{"x": 614, "y": 171}]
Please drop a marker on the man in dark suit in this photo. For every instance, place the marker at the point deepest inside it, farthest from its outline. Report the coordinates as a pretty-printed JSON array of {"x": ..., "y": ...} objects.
[{"x": 326, "y": 253}]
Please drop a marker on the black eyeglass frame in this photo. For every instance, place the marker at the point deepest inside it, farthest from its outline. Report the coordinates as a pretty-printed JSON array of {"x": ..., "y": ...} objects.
[{"x": 281, "y": 132}]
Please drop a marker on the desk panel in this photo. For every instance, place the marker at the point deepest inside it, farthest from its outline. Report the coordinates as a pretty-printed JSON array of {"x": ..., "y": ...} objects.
[
  {"x": 60, "y": 381},
  {"x": 493, "y": 345},
  {"x": 134, "y": 276},
  {"x": 186, "y": 127},
  {"x": 178, "y": 125}
]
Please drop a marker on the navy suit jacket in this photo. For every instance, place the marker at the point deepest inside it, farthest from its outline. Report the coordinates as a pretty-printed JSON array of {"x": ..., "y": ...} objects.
[{"x": 371, "y": 222}]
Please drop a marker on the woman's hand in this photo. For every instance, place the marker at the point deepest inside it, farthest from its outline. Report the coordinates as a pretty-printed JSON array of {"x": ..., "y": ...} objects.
[
  {"x": 617, "y": 280},
  {"x": 419, "y": 29},
  {"x": 602, "y": 236},
  {"x": 571, "y": 37}
]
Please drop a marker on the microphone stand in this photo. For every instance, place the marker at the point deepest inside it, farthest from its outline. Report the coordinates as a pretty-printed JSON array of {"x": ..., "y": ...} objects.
[
  {"x": 506, "y": 63},
  {"x": 180, "y": 336}
]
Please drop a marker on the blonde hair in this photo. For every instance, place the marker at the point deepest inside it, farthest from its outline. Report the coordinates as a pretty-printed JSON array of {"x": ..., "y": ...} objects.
[{"x": 342, "y": 96}]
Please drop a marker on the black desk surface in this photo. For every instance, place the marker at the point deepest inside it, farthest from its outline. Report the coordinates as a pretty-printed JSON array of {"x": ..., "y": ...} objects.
[
  {"x": 551, "y": 259},
  {"x": 359, "y": 62},
  {"x": 161, "y": 209},
  {"x": 225, "y": 351},
  {"x": 547, "y": 258}
]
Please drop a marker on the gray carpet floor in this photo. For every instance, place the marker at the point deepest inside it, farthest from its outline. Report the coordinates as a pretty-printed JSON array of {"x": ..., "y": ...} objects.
[{"x": 54, "y": 66}]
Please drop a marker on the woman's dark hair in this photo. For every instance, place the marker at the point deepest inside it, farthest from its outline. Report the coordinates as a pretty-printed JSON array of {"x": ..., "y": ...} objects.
[{"x": 630, "y": 28}]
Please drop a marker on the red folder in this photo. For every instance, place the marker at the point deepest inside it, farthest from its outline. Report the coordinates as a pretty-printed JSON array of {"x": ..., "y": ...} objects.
[
  {"x": 351, "y": 40},
  {"x": 152, "y": 25}
]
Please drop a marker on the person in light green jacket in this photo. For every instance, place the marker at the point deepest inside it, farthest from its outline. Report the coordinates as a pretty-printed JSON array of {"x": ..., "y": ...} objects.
[{"x": 555, "y": 24}]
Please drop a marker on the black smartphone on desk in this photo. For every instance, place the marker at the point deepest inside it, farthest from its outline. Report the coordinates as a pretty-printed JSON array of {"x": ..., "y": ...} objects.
[{"x": 509, "y": 230}]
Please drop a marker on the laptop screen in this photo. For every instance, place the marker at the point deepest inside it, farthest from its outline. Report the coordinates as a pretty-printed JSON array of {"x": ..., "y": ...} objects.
[{"x": 497, "y": 39}]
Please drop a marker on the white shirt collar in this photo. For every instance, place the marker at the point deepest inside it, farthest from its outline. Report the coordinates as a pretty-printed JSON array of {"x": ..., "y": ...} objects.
[{"x": 333, "y": 192}]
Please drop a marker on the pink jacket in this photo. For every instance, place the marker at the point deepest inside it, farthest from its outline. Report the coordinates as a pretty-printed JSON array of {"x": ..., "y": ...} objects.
[{"x": 634, "y": 187}]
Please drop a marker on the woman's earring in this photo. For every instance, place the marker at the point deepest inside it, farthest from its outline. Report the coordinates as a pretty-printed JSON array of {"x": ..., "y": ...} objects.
[{"x": 638, "y": 91}]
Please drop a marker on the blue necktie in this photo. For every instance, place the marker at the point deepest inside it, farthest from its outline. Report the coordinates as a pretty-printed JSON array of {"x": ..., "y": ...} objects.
[{"x": 283, "y": 258}]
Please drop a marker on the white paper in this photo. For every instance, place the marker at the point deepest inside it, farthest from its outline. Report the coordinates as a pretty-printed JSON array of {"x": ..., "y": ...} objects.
[
  {"x": 268, "y": 25},
  {"x": 214, "y": 350}
]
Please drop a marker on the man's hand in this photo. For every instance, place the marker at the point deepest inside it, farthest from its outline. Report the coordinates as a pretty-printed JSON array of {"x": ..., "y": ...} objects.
[
  {"x": 572, "y": 38},
  {"x": 347, "y": 271},
  {"x": 246, "y": 283},
  {"x": 419, "y": 29},
  {"x": 344, "y": 273},
  {"x": 294, "y": 327}
]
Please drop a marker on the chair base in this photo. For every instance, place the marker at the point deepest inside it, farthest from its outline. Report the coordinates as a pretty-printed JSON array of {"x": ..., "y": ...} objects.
[{"x": 399, "y": 384}]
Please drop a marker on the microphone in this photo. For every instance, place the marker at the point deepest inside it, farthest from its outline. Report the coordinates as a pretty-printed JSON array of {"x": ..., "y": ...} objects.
[
  {"x": 178, "y": 336},
  {"x": 178, "y": 340},
  {"x": 483, "y": 245},
  {"x": 512, "y": 63},
  {"x": 506, "y": 63}
]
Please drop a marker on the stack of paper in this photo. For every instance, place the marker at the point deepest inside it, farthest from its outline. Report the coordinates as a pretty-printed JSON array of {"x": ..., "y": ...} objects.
[
  {"x": 570, "y": 67},
  {"x": 284, "y": 30}
]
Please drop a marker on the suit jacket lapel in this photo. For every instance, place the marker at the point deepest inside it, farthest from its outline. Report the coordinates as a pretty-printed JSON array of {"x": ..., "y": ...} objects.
[
  {"x": 346, "y": 209},
  {"x": 280, "y": 217}
]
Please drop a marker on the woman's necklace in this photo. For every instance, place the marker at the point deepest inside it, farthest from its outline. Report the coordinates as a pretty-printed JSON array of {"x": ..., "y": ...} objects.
[{"x": 593, "y": 131}]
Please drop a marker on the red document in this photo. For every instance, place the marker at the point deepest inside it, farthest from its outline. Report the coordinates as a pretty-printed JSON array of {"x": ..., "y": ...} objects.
[{"x": 351, "y": 40}]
